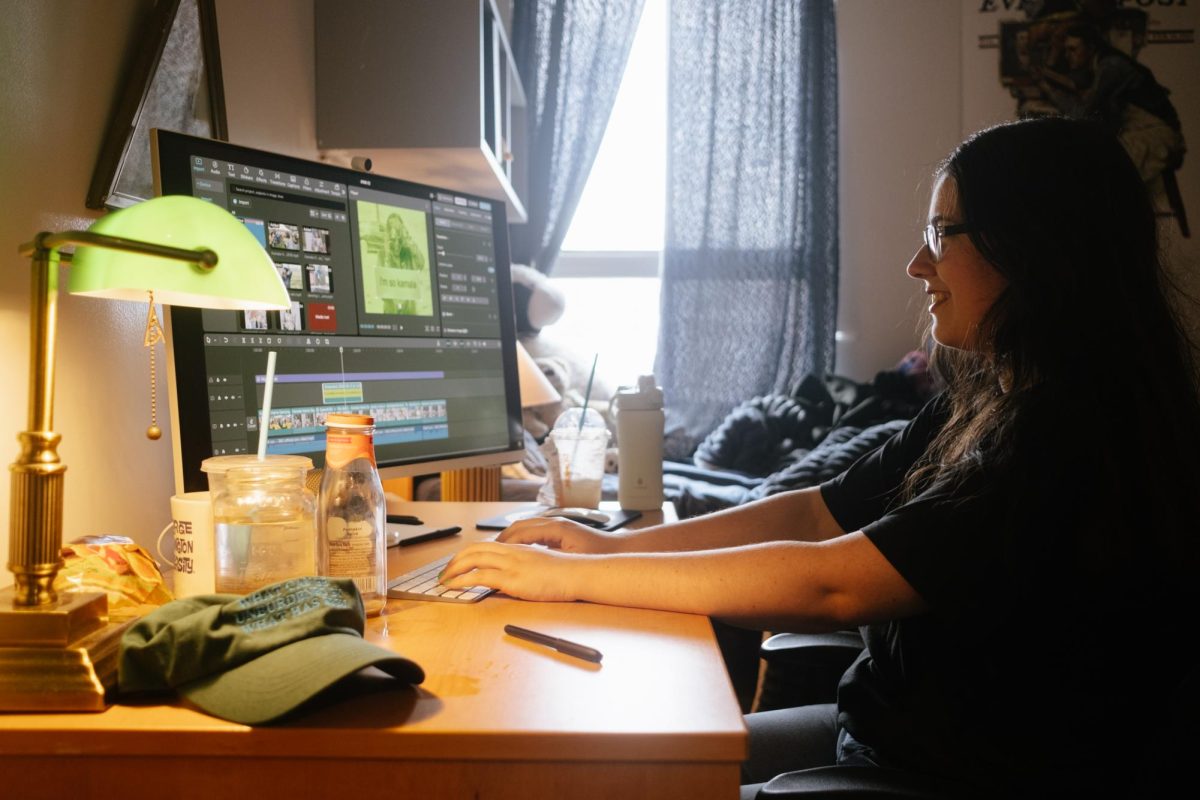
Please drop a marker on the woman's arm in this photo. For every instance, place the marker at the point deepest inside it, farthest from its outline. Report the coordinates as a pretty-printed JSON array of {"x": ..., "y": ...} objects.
[
  {"x": 791, "y": 516},
  {"x": 796, "y": 585}
]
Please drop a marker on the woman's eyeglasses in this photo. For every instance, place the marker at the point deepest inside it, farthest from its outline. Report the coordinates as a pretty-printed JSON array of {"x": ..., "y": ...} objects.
[{"x": 935, "y": 232}]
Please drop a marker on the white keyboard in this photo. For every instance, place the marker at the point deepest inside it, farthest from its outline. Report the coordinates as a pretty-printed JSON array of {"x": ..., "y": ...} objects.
[{"x": 422, "y": 584}]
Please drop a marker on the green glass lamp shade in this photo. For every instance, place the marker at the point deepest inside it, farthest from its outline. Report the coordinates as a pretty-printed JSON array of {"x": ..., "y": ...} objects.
[{"x": 244, "y": 277}]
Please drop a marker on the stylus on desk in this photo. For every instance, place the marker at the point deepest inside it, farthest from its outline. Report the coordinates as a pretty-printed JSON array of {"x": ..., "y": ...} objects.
[
  {"x": 554, "y": 643},
  {"x": 430, "y": 536}
]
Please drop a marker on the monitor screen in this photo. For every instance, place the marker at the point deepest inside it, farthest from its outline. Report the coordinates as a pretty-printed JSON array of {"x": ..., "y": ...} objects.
[{"x": 401, "y": 308}]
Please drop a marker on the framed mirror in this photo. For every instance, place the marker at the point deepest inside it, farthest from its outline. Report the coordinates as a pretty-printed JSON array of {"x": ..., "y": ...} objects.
[{"x": 174, "y": 82}]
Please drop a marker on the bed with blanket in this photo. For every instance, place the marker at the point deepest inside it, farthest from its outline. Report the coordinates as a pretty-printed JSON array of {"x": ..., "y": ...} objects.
[
  {"x": 766, "y": 445},
  {"x": 776, "y": 443}
]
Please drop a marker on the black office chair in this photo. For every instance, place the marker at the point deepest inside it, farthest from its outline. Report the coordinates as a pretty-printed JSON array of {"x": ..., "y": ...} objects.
[
  {"x": 857, "y": 783},
  {"x": 804, "y": 668}
]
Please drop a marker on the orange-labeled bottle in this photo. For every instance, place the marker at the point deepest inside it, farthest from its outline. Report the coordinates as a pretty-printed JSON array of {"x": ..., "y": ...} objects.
[{"x": 351, "y": 511}]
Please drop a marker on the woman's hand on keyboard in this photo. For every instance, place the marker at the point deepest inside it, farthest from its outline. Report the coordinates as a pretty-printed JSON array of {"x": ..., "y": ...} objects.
[
  {"x": 561, "y": 534},
  {"x": 529, "y": 573}
]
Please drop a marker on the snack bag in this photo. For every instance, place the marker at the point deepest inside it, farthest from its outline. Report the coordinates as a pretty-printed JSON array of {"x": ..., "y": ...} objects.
[{"x": 118, "y": 567}]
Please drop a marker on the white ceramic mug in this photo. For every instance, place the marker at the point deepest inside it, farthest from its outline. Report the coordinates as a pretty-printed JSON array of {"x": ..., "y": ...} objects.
[{"x": 193, "y": 551}]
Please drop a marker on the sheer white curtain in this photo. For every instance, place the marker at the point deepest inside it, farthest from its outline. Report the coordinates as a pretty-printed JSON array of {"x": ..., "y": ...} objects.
[
  {"x": 571, "y": 55},
  {"x": 750, "y": 264}
]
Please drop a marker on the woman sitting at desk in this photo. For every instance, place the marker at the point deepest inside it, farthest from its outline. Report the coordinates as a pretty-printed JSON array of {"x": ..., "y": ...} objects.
[{"x": 1004, "y": 548}]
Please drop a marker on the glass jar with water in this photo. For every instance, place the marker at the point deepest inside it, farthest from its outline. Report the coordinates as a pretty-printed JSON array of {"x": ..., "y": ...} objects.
[{"x": 262, "y": 520}]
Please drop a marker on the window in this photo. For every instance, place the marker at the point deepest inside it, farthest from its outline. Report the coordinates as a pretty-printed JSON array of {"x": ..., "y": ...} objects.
[{"x": 610, "y": 261}]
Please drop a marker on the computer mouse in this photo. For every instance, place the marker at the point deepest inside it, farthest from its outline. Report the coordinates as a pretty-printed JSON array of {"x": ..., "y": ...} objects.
[{"x": 587, "y": 516}]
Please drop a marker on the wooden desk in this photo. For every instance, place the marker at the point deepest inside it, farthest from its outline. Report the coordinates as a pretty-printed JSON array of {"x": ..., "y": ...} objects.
[{"x": 496, "y": 717}]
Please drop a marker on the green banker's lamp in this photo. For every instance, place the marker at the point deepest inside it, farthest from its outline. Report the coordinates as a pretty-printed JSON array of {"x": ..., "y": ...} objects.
[{"x": 59, "y": 653}]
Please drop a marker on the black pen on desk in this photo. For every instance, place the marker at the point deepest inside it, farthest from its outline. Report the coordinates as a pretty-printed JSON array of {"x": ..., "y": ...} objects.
[
  {"x": 554, "y": 643},
  {"x": 430, "y": 536}
]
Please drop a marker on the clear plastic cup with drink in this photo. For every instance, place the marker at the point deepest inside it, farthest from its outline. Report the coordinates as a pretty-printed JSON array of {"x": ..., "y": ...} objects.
[{"x": 581, "y": 453}]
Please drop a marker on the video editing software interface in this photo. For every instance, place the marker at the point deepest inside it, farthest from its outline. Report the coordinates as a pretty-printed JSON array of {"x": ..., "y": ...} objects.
[{"x": 396, "y": 311}]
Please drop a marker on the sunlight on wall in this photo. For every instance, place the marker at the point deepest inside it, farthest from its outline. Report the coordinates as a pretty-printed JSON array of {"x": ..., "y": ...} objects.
[{"x": 614, "y": 317}]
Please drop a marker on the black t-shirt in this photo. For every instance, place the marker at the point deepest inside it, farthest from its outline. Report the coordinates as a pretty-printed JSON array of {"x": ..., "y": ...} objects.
[{"x": 1025, "y": 671}]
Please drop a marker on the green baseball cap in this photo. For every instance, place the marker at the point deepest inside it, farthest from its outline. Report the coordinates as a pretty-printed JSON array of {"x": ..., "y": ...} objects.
[{"x": 253, "y": 658}]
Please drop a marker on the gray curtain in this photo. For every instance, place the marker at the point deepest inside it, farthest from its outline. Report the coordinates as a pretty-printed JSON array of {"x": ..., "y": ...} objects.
[
  {"x": 571, "y": 55},
  {"x": 750, "y": 264}
]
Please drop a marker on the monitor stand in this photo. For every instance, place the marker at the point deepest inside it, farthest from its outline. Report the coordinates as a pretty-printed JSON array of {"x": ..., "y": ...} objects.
[{"x": 400, "y": 493}]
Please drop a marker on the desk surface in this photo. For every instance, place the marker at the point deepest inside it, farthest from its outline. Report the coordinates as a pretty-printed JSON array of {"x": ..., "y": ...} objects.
[{"x": 494, "y": 712}]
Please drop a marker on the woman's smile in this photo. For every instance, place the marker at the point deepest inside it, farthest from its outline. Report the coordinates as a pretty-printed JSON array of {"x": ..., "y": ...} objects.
[{"x": 962, "y": 285}]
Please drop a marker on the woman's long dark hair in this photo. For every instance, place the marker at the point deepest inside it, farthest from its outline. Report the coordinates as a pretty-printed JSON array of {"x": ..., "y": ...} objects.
[{"x": 1085, "y": 326}]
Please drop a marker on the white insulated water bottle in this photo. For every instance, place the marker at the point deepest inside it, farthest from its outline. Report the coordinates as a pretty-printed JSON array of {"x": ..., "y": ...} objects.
[{"x": 640, "y": 445}]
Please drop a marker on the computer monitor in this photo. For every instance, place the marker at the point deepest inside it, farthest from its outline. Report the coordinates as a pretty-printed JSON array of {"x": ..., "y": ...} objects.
[{"x": 401, "y": 308}]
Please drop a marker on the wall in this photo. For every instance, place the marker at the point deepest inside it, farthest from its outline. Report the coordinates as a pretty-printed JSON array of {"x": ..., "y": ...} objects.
[
  {"x": 902, "y": 108},
  {"x": 63, "y": 62},
  {"x": 900, "y": 100},
  {"x": 1174, "y": 63},
  {"x": 62, "y": 67},
  {"x": 267, "y": 59}
]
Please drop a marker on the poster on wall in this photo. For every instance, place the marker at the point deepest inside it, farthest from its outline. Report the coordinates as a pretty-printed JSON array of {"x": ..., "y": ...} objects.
[{"x": 1131, "y": 64}]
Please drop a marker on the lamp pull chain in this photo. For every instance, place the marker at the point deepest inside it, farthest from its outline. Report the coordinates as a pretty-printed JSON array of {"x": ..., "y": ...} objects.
[{"x": 153, "y": 336}]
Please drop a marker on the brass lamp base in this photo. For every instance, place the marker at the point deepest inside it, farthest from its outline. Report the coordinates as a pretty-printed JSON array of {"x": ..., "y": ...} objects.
[{"x": 61, "y": 657}]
